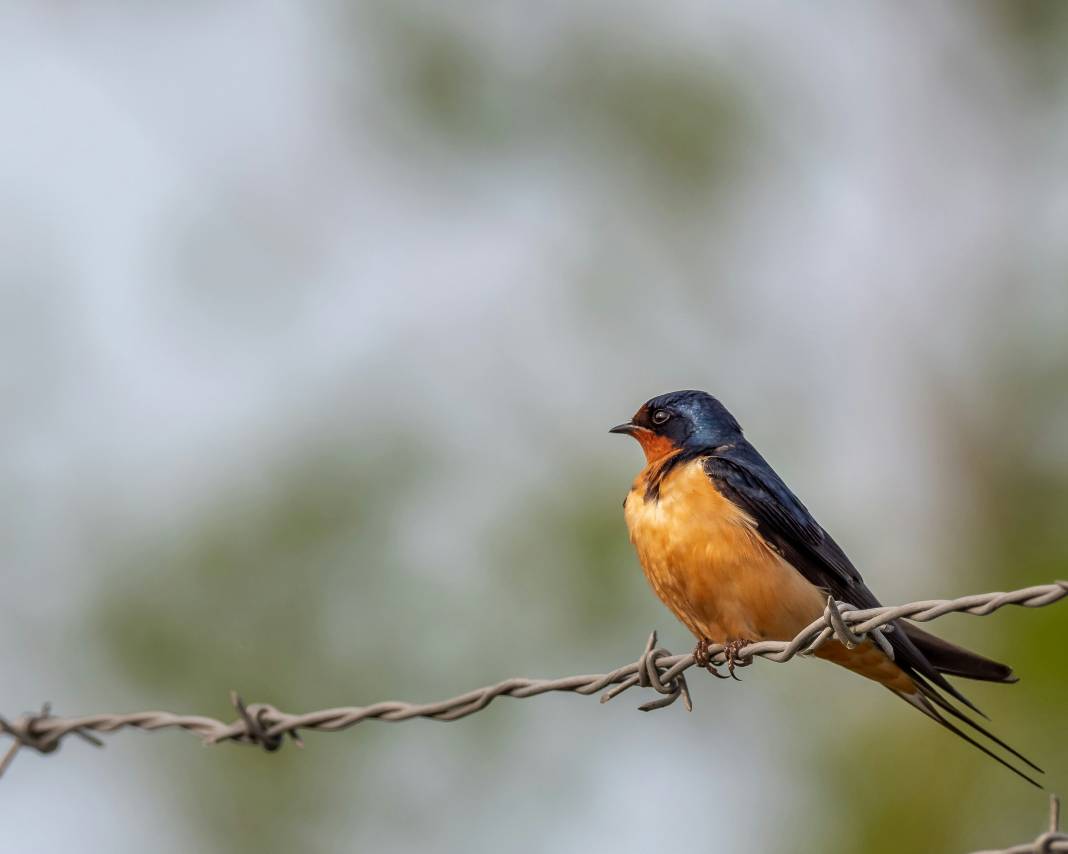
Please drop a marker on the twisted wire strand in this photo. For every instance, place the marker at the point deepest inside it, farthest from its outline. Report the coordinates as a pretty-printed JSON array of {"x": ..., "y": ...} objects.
[
  {"x": 1047, "y": 843},
  {"x": 1050, "y": 842},
  {"x": 657, "y": 668}
]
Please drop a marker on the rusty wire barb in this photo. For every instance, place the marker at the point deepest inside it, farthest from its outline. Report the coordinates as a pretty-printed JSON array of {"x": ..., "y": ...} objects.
[
  {"x": 1050, "y": 842},
  {"x": 264, "y": 725}
]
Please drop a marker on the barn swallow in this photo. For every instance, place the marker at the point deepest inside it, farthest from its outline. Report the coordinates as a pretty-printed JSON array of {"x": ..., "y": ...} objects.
[{"x": 738, "y": 558}]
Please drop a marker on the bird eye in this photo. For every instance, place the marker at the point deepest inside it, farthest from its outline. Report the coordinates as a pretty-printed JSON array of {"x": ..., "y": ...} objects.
[{"x": 660, "y": 416}]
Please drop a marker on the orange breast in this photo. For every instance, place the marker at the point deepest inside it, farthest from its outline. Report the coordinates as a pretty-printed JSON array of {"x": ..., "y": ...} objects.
[{"x": 706, "y": 562}]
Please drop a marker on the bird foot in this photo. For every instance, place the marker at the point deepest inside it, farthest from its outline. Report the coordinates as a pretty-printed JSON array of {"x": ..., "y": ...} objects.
[
  {"x": 730, "y": 651},
  {"x": 702, "y": 658}
]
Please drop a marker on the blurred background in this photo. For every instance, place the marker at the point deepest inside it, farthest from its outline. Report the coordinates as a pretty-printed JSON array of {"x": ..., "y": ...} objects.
[{"x": 313, "y": 318}]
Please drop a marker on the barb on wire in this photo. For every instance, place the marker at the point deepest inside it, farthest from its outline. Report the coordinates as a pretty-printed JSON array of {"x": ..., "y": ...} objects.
[
  {"x": 1053, "y": 841},
  {"x": 264, "y": 725}
]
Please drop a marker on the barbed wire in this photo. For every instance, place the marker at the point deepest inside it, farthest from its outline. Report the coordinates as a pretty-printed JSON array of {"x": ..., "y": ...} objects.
[
  {"x": 657, "y": 668},
  {"x": 1050, "y": 842}
]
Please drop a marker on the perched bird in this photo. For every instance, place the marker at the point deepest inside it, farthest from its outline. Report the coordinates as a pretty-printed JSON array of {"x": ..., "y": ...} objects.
[{"x": 736, "y": 556}]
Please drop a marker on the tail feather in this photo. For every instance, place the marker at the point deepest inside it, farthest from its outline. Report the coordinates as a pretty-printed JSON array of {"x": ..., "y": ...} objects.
[
  {"x": 917, "y": 673},
  {"x": 932, "y": 704},
  {"x": 954, "y": 660},
  {"x": 914, "y": 662},
  {"x": 942, "y": 703}
]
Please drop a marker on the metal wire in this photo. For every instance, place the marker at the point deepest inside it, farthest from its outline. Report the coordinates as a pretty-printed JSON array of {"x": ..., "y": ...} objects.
[
  {"x": 264, "y": 725},
  {"x": 1049, "y": 842}
]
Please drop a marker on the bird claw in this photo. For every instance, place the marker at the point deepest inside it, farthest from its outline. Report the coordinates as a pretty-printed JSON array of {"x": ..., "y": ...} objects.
[
  {"x": 730, "y": 651},
  {"x": 703, "y": 659}
]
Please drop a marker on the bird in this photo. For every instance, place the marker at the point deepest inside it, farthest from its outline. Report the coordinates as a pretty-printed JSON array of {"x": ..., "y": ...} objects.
[{"x": 738, "y": 559}]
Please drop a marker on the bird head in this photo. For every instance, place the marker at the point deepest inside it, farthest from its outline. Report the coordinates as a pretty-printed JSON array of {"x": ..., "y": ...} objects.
[{"x": 680, "y": 420}]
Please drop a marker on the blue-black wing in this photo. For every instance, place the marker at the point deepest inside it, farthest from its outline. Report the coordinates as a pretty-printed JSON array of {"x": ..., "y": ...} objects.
[
  {"x": 742, "y": 476},
  {"x": 745, "y": 478}
]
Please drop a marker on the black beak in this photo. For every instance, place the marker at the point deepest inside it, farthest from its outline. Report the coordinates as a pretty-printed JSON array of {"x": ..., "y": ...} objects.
[{"x": 628, "y": 429}]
